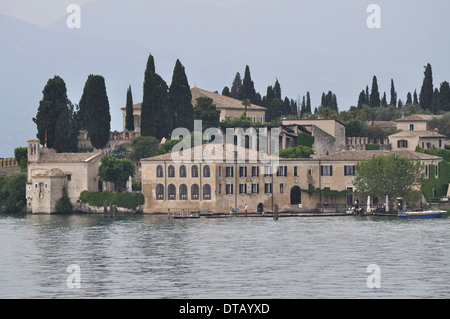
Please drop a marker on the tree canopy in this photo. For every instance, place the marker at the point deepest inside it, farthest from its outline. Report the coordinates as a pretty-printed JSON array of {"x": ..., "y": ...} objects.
[
  {"x": 390, "y": 175},
  {"x": 116, "y": 170}
]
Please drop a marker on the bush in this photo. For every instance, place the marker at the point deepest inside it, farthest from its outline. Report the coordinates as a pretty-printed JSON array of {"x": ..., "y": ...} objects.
[
  {"x": 124, "y": 200},
  {"x": 372, "y": 147},
  {"x": 63, "y": 205}
]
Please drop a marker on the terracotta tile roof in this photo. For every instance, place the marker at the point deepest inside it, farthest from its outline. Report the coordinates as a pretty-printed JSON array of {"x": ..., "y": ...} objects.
[
  {"x": 221, "y": 101},
  {"x": 366, "y": 155},
  {"x": 47, "y": 156},
  {"x": 207, "y": 152},
  {"x": 417, "y": 133},
  {"x": 417, "y": 117}
]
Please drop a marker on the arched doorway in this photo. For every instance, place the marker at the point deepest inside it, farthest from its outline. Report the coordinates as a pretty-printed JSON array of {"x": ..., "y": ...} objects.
[
  {"x": 260, "y": 208},
  {"x": 296, "y": 195}
]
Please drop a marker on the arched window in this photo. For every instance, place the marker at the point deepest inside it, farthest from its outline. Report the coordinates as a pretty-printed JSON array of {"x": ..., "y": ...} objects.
[
  {"x": 182, "y": 171},
  {"x": 160, "y": 192},
  {"x": 171, "y": 192},
  {"x": 159, "y": 171},
  {"x": 195, "y": 192},
  {"x": 194, "y": 171},
  {"x": 206, "y": 192},
  {"x": 171, "y": 171},
  {"x": 206, "y": 171},
  {"x": 183, "y": 192}
]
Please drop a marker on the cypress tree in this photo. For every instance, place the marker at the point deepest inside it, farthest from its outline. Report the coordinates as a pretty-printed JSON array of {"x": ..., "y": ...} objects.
[
  {"x": 55, "y": 118},
  {"x": 308, "y": 103},
  {"x": 367, "y": 95},
  {"x": 361, "y": 99},
  {"x": 435, "y": 102},
  {"x": 374, "y": 94},
  {"x": 226, "y": 91},
  {"x": 409, "y": 98},
  {"x": 148, "y": 108},
  {"x": 236, "y": 87},
  {"x": 444, "y": 96},
  {"x": 129, "y": 117},
  {"x": 277, "y": 90},
  {"x": 416, "y": 101},
  {"x": 248, "y": 87},
  {"x": 393, "y": 94},
  {"x": 180, "y": 99},
  {"x": 96, "y": 113},
  {"x": 426, "y": 93},
  {"x": 384, "y": 100}
]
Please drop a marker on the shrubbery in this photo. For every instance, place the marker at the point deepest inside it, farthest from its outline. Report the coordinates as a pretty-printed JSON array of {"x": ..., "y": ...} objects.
[{"x": 124, "y": 200}]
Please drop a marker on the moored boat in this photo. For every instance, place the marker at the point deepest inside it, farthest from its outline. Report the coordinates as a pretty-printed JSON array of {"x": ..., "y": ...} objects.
[{"x": 431, "y": 213}]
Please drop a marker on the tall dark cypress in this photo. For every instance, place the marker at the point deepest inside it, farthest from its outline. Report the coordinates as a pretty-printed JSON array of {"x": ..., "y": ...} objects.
[
  {"x": 426, "y": 93},
  {"x": 361, "y": 99},
  {"x": 53, "y": 103},
  {"x": 148, "y": 108},
  {"x": 129, "y": 116},
  {"x": 180, "y": 99},
  {"x": 308, "y": 103},
  {"x": 97, "y": 117},
  {"x": 374, "y": 94},
  {"x": 393, "y": 94},
  {"x": 248, "y": 87},
  {"x": 236, "y": 87}
]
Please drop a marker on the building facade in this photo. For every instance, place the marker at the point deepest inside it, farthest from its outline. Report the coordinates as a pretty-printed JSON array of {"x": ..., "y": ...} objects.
[
  {"x": 51, "y": 175},
  {"x": 291, "y": 184}
]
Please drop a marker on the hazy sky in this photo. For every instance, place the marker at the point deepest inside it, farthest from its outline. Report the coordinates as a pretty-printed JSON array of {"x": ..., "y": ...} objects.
[{"x": 313, "y": 46}]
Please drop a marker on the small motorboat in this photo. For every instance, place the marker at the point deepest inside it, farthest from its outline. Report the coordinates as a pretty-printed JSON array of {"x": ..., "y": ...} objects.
[{"x": 431, "y": 213}]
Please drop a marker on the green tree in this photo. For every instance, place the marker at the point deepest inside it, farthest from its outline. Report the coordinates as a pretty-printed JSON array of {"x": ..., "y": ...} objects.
[
  {"x": 361, "y": 99},
  {"x": 393, "y": 94},
  {"x": 66, "y": 130},
  {"x": 374, "y": 94},
  {"x": 180, "y": 99},
  {"x": 54, "y": 108},
  {"x": 299, "y": 151},
  {"x": 94, "y": 106},
  {"x": 142, "y": 147},
  {"x": 206, "y": 111},
  {"x": 116, "y": 171},
  {"x": 353, "y": 128},
  {"x": 308, "y": 103},
  {"x": 15, "y": 193},
  {"x": 236, "y": 87},
  {"x": 129, "y": 116},
  {"x": 21, "y": 157},
  {"x": 426, "y": 92},
  {"x": 390, "y": 175},
  {"x": 248, "y": 87}
]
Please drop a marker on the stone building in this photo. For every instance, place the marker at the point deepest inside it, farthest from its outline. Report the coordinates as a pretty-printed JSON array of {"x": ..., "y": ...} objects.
[
  {"x": 216, "y": 183},
  {"x": 51, "y": 175}
]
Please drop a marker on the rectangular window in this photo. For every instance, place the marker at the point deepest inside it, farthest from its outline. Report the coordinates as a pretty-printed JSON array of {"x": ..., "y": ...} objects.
[
  {"x": 349, "y": 170},
  {"x": 229, "y": 171},
  {"x": 426, "y": 171},
  {"x": 242, "y": 188},
  {"x": 220, "y": 189},
  {"x": 436, "y": 171},
  {"x": 220, "y": 171},
  {"x": 282, "y": 171},
  {"x": 281, "y": 188},
  {"x": 243, "y": 171},
  {"x": 267, "y": 171},
  {"x": 295, "y": 170},
  {"x": 255, "y": 171},
  {"x": 255, "y": 188},
  {"x": 268, "y": 188},
  {"x": 229, "y": 189},
  {"x": 326, "y": 170},
  {"x": 411, "y": 127}
]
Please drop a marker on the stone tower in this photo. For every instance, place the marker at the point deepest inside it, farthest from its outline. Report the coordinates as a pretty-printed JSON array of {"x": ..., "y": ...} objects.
[{"x": 33, "y": 150}]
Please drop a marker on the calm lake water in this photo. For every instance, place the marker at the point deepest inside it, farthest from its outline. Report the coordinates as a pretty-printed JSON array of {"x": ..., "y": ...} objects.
[{"x": 154, "y": 257}]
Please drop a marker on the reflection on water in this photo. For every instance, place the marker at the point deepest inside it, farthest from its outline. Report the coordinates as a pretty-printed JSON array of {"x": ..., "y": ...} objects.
[{"x": 155, "y": 257}]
